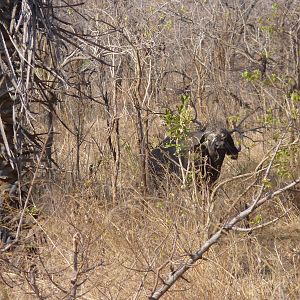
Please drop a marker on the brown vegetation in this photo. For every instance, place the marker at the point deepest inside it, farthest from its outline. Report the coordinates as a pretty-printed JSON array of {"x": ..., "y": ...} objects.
[{"x": 90, "y": 84}]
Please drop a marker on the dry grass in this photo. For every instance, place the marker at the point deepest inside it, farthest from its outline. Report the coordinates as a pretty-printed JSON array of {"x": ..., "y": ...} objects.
[
  {"x": 98, "y": 248},
  {"x": 123, "y": 248},
  {"x": 126, "y": 248}
]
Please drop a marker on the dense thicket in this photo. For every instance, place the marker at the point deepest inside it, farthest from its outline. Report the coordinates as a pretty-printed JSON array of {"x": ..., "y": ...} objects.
[{"x": 84, "y": 91}]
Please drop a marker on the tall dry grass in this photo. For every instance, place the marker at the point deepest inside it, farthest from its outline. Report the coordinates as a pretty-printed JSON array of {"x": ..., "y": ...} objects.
[
  {"x": 125, "y": 250},
  {"x": 87, "y": 243}
]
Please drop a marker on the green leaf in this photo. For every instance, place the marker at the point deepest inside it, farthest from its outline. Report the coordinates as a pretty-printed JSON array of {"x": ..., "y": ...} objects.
[{"x": 295, "y": 96}]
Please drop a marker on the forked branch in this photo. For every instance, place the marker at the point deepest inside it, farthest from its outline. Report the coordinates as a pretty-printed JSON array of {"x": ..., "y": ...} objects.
[{"x": 230, "y": 225}]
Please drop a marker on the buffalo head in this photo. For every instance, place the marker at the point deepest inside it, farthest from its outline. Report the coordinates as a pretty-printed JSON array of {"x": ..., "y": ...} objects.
[{"x": 211, "y": 151}]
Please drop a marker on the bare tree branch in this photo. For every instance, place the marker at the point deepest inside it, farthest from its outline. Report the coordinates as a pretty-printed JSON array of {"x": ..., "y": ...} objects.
[{"x": 228, "y": 226}]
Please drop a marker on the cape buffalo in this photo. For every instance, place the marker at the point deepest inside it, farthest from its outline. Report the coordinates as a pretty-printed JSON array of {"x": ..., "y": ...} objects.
[{"x": 202, "y": 152}]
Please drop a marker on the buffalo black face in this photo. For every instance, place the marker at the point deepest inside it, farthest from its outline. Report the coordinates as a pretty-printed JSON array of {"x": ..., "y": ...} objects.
[
  {"x": 220, "y": 143},
  {"x": 229, "y": 145}
]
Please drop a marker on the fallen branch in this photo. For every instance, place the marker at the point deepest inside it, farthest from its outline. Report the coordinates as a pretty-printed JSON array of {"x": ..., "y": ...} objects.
[
  {"x": 242, "y": 229},
  {"x": 178, "y": 273}
]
